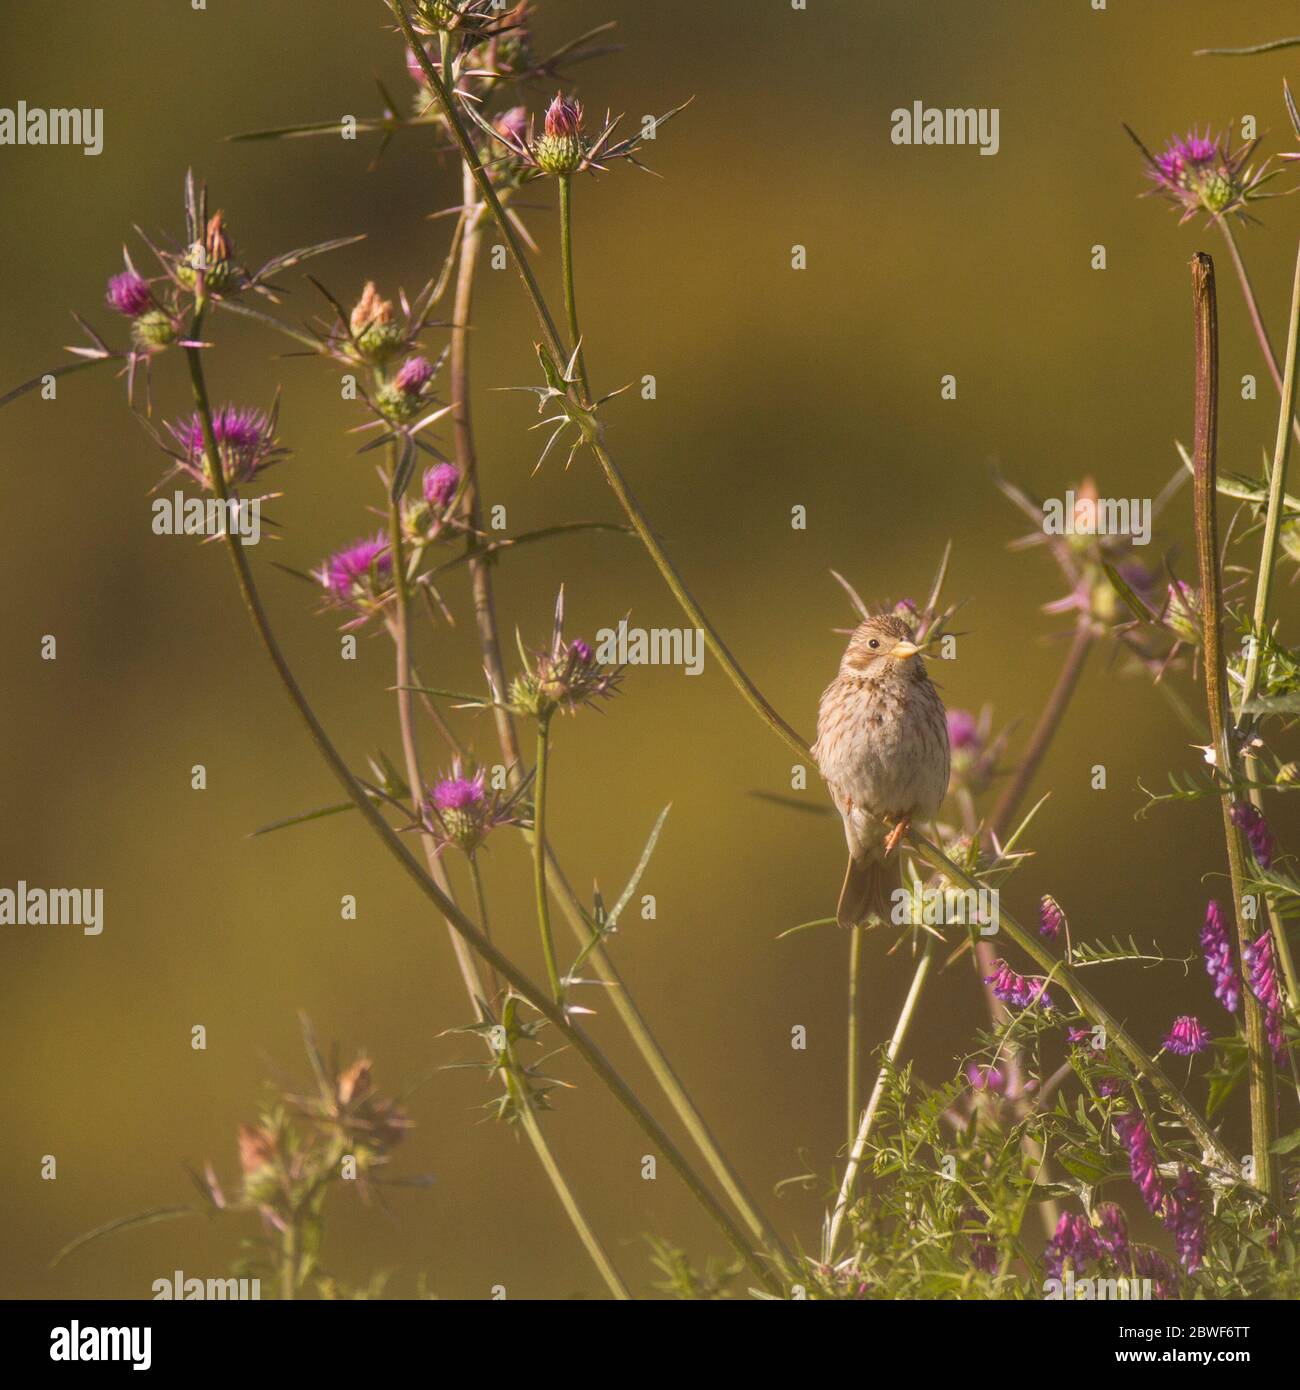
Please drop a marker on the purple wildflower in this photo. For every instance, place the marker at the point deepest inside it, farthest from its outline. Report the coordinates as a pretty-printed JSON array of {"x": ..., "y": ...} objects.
[
  {"x": 513, "y": 124},
  {"x": 963, "y": 729},
  {"x": 985, "y": 1078},
  {"x": 413, "y": 376},
  {"x": 1112, "y": 1230},
  {"x": 1015, "y": 989},
  {"x": 1218, "y": 959},
  {"x": 1187, "y": 1036},
  {"x": 1185, "y": 1217},
  {"x": 455, "y": 793},
  {"x": 1133, "y": 1132},
  {"x": 129, "y": 294},
  {"x": 352, "y": 573},
  {"x": 1050, "y": 918},
  {"x": 245, "y": 444},
  {"x": 1250, "y": 821},
  {"x": 1200, "y": 173},
  {"x": 1075, "y": 1241},
  {"x": 1257, "y": 961},
  {"x": 581, "y": 650},
  {"x": 440, "y": 484},
  {"x": 1109, "y": 1086},
  {"x": 1150, "y": 1264},
  {"x": 461, "y": 811}
]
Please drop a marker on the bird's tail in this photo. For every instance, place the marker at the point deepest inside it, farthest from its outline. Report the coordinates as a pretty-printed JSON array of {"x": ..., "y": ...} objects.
[{"x": 868, "y": 883}]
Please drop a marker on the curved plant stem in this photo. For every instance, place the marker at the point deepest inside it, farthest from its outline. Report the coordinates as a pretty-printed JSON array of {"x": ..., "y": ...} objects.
[
  {"x": 855, "y": 1021},
  {"x": 566, "y": 267},
  {"x": 599, "y": 1257},
  {"x": 540, "y": 787},
  {"x": 1263, "y": 590},
  {"x": 536, "y": 997},
  {"x": 401, "y": 630},
  {"x": 1204, "y": 462},
  {"x": 863, "y": 1127}
]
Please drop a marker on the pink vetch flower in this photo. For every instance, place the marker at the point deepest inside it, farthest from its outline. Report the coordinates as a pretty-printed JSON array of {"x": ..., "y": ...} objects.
[
  {"x": 1250, "y": 821},
  {"x": 1150, "y": 1264},
  {"x": 1185, "y": 1217},
  {"x": 1218, "y": 959},
  {"x": 1112, "y": 1230},
  {"x": 1261, "y": 972},
  {"x": 1050, "y": 918},
  {"x": 440, "y": 484},
  {"x": 1075, "y": 1241},
  {"x": 1136, "y": 1138},
  {"x": 357, "y": 577},
  {"x": 1187, "y": 1037},
  {"x": 985, "y": 1078},
  {"x": 129, "y": 294},
  {"x": 1015, "y": 989},
  {"x": 245, "y": 443}
]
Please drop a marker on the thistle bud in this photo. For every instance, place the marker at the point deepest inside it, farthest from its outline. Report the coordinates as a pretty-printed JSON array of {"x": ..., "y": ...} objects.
[
  {"x": 440, "y": 484},
  {"x": 559, "y": 151},
  {"x": 128, "y": 293},
  {"x": 153, "y": 330},
  {"x": 213, "y": 257},
  {"x": 376, "y": 336},
  {"x": 401, "y": 399}
]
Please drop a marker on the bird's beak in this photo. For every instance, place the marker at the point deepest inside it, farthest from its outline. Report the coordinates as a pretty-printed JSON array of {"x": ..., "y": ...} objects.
[{"x": 902, "y": 650}]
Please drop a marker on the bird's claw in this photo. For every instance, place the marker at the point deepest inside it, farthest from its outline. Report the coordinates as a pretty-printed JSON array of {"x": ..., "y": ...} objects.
[{"x": 901, "y": 827}]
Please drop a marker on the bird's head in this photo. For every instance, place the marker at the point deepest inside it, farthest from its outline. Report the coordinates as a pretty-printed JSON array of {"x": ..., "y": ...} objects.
[{"x": 881, "y": 648}]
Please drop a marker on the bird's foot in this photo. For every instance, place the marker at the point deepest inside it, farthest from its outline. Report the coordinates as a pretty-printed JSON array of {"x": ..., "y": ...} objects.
[{"x": 901, "y": 826}]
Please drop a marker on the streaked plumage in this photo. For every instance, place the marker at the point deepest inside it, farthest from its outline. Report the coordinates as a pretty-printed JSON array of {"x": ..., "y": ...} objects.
[{"x": 882, "y": 746}]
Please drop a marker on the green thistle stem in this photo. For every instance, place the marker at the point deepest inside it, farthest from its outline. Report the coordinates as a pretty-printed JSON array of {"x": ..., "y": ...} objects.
[
  {"x": 566, "y": 264},
  {"x": 855, "y": 1023},
  {"x": 541, "y": 782},
  {"x": 862, "y": 1127},
  {"x": 1259, "y": 1058},
  {"x": 1263, "y": 591},
  {"x": 525, "y": 987}
]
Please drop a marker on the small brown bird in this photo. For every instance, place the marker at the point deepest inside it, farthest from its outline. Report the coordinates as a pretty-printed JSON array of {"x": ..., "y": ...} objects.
[{"x": 882, "y": 746}]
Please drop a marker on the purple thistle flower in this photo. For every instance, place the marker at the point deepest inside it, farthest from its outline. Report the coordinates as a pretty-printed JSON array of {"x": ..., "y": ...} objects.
[
  {"x": 563, "y": 118},
  {"x": 1015, "y": 989},
  {"x": 963, "y": 730},
  {"x": 1200, "y": 173},
  {"x": 129, "y": 294},
  {"x": 1075, "y": 1240},
  {"x": 440, "y": 484},
  {"x": 1050, "y": 918},
  {"x": 1250, "y": 821},
  {"x": 1257, "y": 961},
  {"x": 1185, "y": 1217},
  {"x": 349, "y": 574},
  {"x": 455, "y": 793},
  {"x": 245, "y": 443},
  {"x": 413, "y": 376},
  {"x": 461, "y": 811},
  {"x": 1218, "y": 959},
  {"x": 581, "y": 650},
  {"x": 1187, "y": 1037},
  {"x": 1135, "y": 1136}
]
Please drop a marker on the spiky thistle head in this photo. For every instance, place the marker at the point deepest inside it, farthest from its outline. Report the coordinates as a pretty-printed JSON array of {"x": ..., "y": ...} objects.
[{"x": 1203, "y": 173}]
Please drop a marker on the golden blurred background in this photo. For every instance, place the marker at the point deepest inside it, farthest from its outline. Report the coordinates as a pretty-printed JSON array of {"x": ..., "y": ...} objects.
[{"x": 775, "y": 388}]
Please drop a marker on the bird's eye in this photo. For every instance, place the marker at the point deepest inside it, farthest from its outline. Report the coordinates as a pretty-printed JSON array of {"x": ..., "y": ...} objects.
[{"x": 873, "y": 644}]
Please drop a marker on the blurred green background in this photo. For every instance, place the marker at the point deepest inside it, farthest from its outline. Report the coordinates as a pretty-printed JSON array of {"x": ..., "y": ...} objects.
[{"x": 775, "y": 388}]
